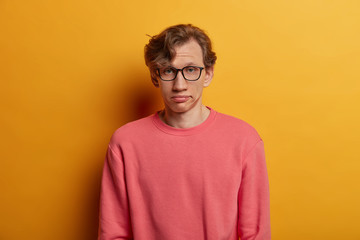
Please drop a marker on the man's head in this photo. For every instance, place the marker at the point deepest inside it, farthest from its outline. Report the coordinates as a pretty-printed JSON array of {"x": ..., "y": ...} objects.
[
  {"x": 160, "y": 50},
  {"x": 181, "y": 63}
]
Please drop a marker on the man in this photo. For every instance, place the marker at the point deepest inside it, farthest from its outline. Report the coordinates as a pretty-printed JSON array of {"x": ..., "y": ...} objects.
[{"x": 186, "y": 172}]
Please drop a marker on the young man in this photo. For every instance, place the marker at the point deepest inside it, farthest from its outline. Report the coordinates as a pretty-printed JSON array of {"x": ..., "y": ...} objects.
[{"x": 186, "y": 172}]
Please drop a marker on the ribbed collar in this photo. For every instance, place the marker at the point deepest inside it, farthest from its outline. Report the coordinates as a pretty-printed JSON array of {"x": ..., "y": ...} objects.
[{"x": 184, "y": 131}]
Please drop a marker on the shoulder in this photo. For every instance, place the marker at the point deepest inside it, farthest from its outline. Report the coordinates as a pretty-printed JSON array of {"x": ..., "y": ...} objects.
[
  {"x": 239, "y": 132},
  {"x": 236, "y": 126},
  {"x": 132, "y": 130}
]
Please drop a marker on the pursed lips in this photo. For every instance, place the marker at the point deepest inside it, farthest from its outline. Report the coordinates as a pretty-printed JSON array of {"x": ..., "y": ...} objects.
[{"x": 180, "y": 98}]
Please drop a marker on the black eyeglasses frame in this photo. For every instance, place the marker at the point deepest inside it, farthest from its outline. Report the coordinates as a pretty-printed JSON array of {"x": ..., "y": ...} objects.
[{"x": 182, "y": 73}]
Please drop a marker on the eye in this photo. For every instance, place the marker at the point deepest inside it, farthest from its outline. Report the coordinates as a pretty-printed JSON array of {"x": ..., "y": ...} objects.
[
  {"x": 168, "y": 71},
  {"x": 191, "y": 69}
]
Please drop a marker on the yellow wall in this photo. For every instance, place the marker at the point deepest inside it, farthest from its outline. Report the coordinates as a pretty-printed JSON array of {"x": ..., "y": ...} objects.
[{"x": 73, "y": 71}]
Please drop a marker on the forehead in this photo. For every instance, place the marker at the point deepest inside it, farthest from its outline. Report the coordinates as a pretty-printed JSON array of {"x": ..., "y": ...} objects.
[{"x": 189, "y": 52}]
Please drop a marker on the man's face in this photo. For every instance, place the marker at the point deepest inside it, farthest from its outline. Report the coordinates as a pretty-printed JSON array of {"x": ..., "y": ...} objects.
[{"x": 180, "y": 95}]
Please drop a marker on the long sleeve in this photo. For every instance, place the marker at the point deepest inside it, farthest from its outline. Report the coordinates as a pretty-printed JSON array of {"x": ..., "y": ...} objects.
[
  {"x": 114, "y": 217},
  {"x": 253, "y": 198}
]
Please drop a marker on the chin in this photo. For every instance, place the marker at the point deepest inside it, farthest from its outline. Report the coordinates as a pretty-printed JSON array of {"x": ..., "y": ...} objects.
[{"x": 180, "y": 108}]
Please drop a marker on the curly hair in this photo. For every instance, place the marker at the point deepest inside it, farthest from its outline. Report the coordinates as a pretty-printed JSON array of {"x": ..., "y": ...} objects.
[{"x": 160, "y": 49}]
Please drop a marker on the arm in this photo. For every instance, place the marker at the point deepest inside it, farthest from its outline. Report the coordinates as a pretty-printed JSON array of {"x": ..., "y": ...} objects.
[
  {"x": 114, "y": 217},
  {"x": 253, "y": 198}
]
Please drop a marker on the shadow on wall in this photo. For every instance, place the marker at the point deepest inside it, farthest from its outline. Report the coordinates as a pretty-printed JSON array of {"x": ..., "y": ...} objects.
[
  {"x": 139, "y": 99},
  {"x": 89, "y": 228}
]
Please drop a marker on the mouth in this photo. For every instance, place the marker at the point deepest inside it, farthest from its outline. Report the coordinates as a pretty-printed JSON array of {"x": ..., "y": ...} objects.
[{"x": 180, "y": 98}]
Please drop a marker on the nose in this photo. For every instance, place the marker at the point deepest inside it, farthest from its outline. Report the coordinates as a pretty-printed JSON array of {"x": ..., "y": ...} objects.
[{"x": 180, "y": 83}]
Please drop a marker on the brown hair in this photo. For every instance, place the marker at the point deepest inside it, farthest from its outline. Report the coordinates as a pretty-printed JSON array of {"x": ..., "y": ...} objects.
[{"x": 160, "y": 49}]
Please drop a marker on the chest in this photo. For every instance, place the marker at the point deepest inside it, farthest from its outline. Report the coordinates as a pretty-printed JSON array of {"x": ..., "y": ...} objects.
[{"x": 190, "y": 164}]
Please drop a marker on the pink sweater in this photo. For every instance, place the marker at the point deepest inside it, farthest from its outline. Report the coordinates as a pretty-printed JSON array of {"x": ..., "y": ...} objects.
[{"x": 206, "y": 182}]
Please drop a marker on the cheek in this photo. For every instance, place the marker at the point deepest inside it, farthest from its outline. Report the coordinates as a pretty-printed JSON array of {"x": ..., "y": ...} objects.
[
  {"x": 165, "y": 90},
  {"x": 198, "y": 88}
]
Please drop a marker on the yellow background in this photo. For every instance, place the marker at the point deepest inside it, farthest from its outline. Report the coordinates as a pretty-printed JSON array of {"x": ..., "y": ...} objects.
[{"x": 73, "y": 71}]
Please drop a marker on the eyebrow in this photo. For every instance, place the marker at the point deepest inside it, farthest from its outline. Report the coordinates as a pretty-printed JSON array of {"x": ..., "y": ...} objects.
[
  {"x": 190, "y": 64},
  {"x": 186, "y": 65}
]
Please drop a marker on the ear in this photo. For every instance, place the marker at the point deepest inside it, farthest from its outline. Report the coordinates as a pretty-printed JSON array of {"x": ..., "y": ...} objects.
[{"x": 209, "y": 73}]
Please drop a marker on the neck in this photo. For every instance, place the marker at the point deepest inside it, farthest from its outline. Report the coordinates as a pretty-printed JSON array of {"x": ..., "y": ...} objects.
[{"x": 187, "y": 119}]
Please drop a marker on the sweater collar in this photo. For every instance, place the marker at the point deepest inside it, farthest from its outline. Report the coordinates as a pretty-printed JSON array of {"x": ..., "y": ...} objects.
[{"x": 184, "y": 131}]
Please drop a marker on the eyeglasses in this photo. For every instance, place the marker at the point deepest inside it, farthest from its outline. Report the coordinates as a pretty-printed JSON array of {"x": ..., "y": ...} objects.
[{"x": 190, "y": 73}]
